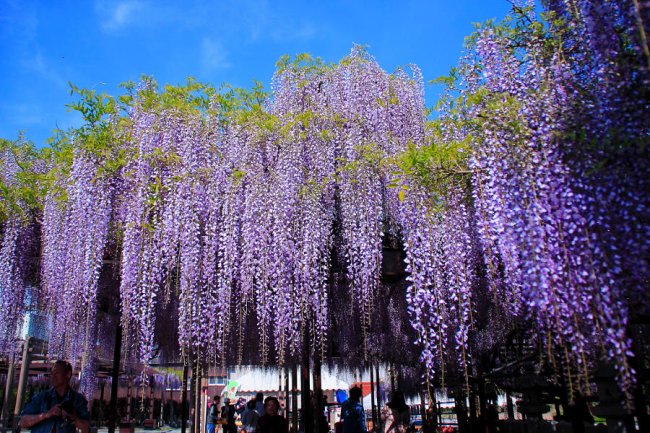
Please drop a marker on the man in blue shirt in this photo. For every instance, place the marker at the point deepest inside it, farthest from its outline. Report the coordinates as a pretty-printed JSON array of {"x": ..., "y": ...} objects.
[
  {"x": 59, "y": 409},
  {"x": 352, "y": 413}
]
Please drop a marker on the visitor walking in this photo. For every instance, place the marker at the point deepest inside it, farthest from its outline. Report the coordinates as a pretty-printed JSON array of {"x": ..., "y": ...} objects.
[
  {"x": 259, "y": 404},
  {"x": 213, "y": 415},
  {"x": 59, "y": 409},
  {"x": 401, "y": 414},
  {"x": 386, "y": 418},
  {"x": 272, "y": 421},
  {"x": 228, "y": 417},
  {"x": 250, "y": 418},
  {"x": 352, "y": 413}
]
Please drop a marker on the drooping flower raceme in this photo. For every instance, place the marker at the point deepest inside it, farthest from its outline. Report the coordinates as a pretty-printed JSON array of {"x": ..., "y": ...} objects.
[{"x": 75, "y": 233}]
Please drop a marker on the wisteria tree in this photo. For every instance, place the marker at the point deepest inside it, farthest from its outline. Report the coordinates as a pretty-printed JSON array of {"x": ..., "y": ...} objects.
[{"x": 239, "y": 215}]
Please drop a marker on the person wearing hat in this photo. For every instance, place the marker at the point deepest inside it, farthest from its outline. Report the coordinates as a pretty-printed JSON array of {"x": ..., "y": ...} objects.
[{"x": 228, "y": 417}]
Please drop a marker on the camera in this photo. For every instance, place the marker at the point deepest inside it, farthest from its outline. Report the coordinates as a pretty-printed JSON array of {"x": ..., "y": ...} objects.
[{"x": 68, "y": 406}]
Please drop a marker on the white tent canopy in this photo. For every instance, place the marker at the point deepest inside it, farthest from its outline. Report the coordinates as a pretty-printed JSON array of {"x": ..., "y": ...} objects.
[{"x": 256, "y": 379}]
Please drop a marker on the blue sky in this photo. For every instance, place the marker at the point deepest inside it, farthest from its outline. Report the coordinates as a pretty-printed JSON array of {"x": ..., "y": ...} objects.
[{"x": 101, "y": 43}]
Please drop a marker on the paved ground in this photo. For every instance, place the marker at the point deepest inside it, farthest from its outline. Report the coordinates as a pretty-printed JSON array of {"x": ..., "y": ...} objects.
[{"x": 164, "y": 429}]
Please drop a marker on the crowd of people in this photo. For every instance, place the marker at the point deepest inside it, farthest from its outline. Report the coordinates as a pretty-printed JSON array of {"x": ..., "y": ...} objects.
[
  {"x": 60, "y": 409},
  {"x": 259, "y": 415}
]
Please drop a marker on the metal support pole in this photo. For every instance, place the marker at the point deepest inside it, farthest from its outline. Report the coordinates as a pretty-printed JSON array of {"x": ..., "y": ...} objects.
[
  {"x": 172, "y": 415},
  {"x": 115, "y": 378},
  {"x": 162, "y": 404},
  {"x": 286, "y": 391},
  {"x": 22, "y": 382},
  {"x": 128, "y": 398},
  {"x": 372, "y": 396},
  {"x": 7, "y": 396},
  {"x": 190, "y": 400},
  {"x": 510, "y": 406},
  {"x": 100, "y": 416},
  {"x": 184, "y": 400},
  {"x": 151, "y": 399},
  {"x": 318, "y": 396},
  {"x": 305, "y": 386},
  {"x": 378, "y": 394},
  {"x": 294, "y": 397},
  {"x": 423, "y": 408},
  {"x": 196, "y": 423}
]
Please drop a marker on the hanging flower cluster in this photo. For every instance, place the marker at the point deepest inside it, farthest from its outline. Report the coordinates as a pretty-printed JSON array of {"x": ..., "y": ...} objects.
[
  {"x": 17, "y": 244},
  {"x": 75, "y": 228},
  {"x": 442, "y": 260},
  {"x": 159, "y": 219}
]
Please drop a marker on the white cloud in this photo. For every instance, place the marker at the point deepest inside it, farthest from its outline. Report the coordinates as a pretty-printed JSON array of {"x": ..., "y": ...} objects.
[
  {"x": 254, "y": 20},
  {"x": 264, "y": 20},
  {"x": 213, "y": 55},
  {"x": 119, "y": 14}
]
